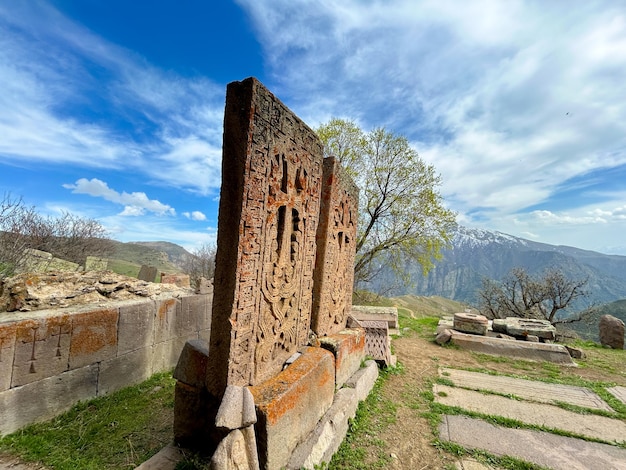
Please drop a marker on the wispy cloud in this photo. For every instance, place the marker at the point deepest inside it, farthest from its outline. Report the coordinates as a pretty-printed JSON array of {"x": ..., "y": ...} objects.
[
  {"x": 195, "y": 215},
  {"x": 71, "y": 97},
  {"x": 135, "y": 203}
]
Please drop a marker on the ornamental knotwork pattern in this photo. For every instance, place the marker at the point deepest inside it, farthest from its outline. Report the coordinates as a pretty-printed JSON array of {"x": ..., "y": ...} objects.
[{"x": 281, "y": 307}]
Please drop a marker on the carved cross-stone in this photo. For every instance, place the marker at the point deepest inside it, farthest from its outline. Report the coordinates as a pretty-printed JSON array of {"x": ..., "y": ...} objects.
[{"x": 269, "y": 208}]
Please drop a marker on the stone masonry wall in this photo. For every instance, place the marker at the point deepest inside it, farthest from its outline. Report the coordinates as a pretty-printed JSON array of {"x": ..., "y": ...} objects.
[{"x": 51, "y": 359}]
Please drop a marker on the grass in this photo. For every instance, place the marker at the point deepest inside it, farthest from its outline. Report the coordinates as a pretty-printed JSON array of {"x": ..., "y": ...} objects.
[{"x": 117, "y": 431}]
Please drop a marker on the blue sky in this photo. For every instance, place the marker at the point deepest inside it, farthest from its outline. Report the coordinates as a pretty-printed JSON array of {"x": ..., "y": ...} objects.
[{"x": 113, "y": 109}]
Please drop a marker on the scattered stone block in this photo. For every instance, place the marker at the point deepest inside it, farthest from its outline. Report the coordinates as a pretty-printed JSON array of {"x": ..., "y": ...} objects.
[
  {"x": 520, "y": 349},
  {"x": 363, "y": 380},
  {"x": 148, "y": 273},
  {"x": 522, "y": 327},
  {"x": 374, "y": 313},
  {"x": 377, "y": 341},
  {"x": 611, "y": 332},
  {"x": 290, "y": 404},
  {"x": 192, "y": 363},
  {"x": 576, "y": 353},
  {"x": 532, "y": 338},
  {"x": 42, "y": 348},
  {"x": 46, "y": 398},
  {"x": 204, "y": 286},
  {"x": 348, "y": 347},
  {"x": 498, "y": 325},
  {"x": 471, "y": 323},
  {"x": 336, "y": 246},
  {"x": 180, "y": 280},
  {"x": 94, "y": 337},
  {"x": 443, "y": 336}
]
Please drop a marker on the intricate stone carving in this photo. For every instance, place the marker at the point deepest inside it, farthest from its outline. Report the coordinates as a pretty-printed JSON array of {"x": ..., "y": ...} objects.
[
  {"x": 269, "y": 206},
  {"x": 336, "y": 245}
]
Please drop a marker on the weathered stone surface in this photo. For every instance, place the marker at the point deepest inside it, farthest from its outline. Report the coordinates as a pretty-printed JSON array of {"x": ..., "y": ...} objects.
[
  {"x": 470, "y": 323},
  {"x": 165, "y": 321},
  {"x": 444, "y": 336},
  {"x": 611, "y": 332},
  {"x": 336, "y": 248},
  {"x": 269, "y": 207},
  {"x": 166, "y": 459},
  {"x": 576, "y": 353},
  {"x": 520, "y": 349},
  {"x": 363, "y": 380},
  {"x": 498, "y": 325},
  {"x": 348, "y": 347},
  {"x": 204, "y": 286},
  {"x": 237, "y": 409},
  {"x": 618, "y": 392},
  {"x": 375, "y": 313},
  {"x": 192, "y": 363},
  {"x": 179, "y": 280},
  {"x": 44, "y": 399},
  {"x": 444, "y": 324},
  {"x": 125, "y": 370},
  {"x": 94, "y": 337},
  {"x": 165, "y": 354},
  {"x": 522, "y": 327},
  {"x": 7, "y": 350},
  {"x": 323, "y": 442},
  {"x": 290, "y": 404},
  {"x": 237, "y": 451},
  {"x": 42, "y": 348},
  {"x": 377, "y": 340},
  {"x": 136, "y": 326},
  {"x": 147, "y": 273},
  {"x": 194, "y": 413}
]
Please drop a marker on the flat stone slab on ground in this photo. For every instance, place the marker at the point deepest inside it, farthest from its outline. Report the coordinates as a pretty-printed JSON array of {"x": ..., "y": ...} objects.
[
  {"x": 527, "y": 389},
  {"x": 618, "y": 392},
  {"x": 538, "y": 447},
  {"x": 550, "y": 416}
]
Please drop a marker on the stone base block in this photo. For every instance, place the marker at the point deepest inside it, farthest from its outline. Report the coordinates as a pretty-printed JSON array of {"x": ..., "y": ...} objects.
[
  {"x": 44, "y": 399},
  {"x": 530, "y": 327},
  {"x": 372, "y": 313},
  {"x": 327, "y": 436},
  {"x": 518, "y": 349},
  {"x": 471, "y": 323},
  {"x": 363, "y": 380},
  {"x": 290, "y": 405},
  {"x": 348, "y": 347}
]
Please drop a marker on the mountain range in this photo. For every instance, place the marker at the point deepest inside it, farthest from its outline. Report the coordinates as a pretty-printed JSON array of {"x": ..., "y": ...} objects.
[{"x": 476, "y": 254}]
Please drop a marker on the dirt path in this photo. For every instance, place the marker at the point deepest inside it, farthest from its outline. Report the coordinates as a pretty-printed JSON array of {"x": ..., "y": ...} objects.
[{"x": 409, "y": 439}]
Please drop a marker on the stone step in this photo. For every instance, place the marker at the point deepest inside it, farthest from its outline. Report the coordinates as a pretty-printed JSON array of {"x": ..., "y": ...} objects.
[
  {"x": 550, "y": 416},
  {"x": 538, "y": 447},
  {"x": 526, "y": 389}
]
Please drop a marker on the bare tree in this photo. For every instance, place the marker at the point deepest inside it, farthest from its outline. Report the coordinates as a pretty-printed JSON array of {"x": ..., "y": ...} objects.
[
  {"x": 201, "y": 262},
  {"x": 522, "y": 295},
  {"x": 68, "y": 236}
]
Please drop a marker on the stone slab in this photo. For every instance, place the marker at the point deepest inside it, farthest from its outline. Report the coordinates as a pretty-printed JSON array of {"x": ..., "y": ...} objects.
[
  {"x": 348, "y": 347},
  {"x": 526, "y": 389},
  {"x": 541, "y": 448},
  {"x": 42, "y": 348},
  {"x": 618, "y": 392},
  {"x": 518, "y": 349},
  {"x": 290, "y": 404},
  {"x": 470, "y": 323},
  {"x": 46, "y": 398},
  {"x": 553, "y": 417},
  {"x": 367, "y": 312},
  {"x": 136, "y": 326},
  {"x": 528, "y": 326},
  {"x": 166, "y": 459},
  {"x": 7, "y": 350},
  {"x": 323, "y": 442},
  {"x": 363, "y": 380},
  {"x": 94, "y": 337},
  {"x": 122, "y": 371}
]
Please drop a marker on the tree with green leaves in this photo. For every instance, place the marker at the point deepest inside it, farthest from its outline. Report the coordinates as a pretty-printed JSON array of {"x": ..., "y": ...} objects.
[{"x": 402, "y": 218}]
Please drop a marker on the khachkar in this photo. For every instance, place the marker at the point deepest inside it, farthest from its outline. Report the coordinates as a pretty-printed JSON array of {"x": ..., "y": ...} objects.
[
  {"x": 268, "y": 217},
  {"x": 336, "y": 244}
]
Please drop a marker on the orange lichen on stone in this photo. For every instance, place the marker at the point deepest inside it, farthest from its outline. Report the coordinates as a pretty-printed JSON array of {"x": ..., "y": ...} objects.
[
  {"x": 93, "y": 331},
  {"x": 7, "y": 333},
  {"x": 309, "y": 375},
  {"x": 348, "y": 347},
  {"x": 165, "y": 307}
]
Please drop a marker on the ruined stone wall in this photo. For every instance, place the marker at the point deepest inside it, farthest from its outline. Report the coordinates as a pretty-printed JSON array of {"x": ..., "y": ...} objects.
[{"x": 51, "y": 359}]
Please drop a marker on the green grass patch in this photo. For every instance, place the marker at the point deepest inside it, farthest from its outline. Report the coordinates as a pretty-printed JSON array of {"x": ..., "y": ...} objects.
[{"x": 117, "y": 431}]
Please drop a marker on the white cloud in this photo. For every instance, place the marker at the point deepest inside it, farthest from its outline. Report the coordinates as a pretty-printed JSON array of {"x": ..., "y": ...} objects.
[
  {"x": 195, "y": 215},
  {"x": 136, "y": 203}
]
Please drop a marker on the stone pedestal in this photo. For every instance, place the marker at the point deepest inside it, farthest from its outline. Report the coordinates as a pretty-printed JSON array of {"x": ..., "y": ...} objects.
[{"x": 471, "y": 323}]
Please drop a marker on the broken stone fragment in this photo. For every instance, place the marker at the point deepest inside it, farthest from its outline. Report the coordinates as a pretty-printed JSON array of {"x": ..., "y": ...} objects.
[
  {"x": 237, "y": 409},
  {"x": 443, "y": 336}
]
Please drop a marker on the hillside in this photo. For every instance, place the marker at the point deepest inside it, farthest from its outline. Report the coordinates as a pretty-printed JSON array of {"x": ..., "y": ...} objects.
[
  {"x": 127, "y": 258},
  {"x": 588, "y": 327},
  {"x": 478, "y": 254}
]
